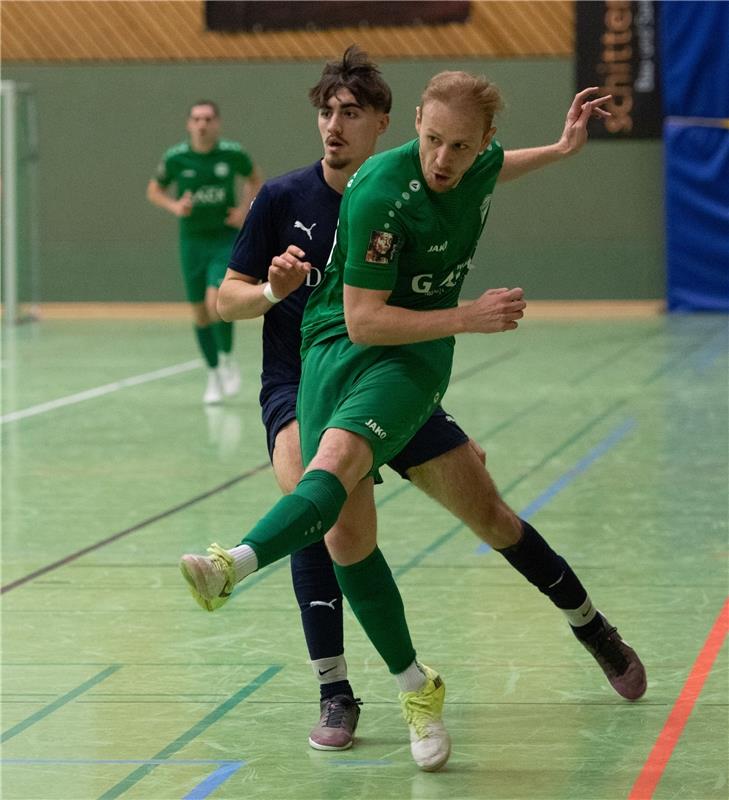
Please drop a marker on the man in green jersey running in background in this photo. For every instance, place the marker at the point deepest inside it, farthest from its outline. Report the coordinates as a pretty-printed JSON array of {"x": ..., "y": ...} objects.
[
  {"x": 204, "y": 171},
  {"x": 377, "y": 352}
]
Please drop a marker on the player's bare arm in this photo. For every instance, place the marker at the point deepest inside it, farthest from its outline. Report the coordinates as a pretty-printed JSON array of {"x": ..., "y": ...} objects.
[
  {"x": 572, "y": 140},
  {"x": 237, "y": 215},
  {"x": 288, "y": 271},
  {"x": 156, "y": 195},
  {"x": 370, "y": 321},
  {"x": 242, "y": 296}
]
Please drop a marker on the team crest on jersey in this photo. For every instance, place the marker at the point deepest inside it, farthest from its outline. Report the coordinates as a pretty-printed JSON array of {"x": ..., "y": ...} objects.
[
  {"x": 221, "y": 169},
  {"x": 381, "y": 248}
]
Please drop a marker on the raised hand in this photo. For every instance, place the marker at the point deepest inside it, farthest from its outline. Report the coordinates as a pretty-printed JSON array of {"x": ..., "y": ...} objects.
[
  {"x": 574, "y": 134},
  {"x": 288, "y": 271}
]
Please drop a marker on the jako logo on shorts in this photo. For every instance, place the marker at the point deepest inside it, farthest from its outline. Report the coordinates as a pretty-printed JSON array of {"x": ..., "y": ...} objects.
[{"x": 372, "y": 425}]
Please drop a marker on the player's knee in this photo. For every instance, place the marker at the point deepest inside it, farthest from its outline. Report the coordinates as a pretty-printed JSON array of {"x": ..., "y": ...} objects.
[
  {"x": 345, "y": 454},
  {"x": 346, "y": 544}
]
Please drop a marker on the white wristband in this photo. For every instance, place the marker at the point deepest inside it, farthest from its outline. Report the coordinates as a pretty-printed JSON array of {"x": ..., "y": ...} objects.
[{"x": 269, "y": 295}]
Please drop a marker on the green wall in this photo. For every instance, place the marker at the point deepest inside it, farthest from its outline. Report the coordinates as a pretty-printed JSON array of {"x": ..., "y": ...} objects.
[{"x": 587, "y": 229}]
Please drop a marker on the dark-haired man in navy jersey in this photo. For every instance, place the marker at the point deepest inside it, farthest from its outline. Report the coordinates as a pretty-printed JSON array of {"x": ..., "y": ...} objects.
[{"x": 277, "y": 261}]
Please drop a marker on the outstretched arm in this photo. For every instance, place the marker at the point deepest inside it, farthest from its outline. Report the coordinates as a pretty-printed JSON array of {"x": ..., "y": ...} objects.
[{"x": 572, "y": 140}]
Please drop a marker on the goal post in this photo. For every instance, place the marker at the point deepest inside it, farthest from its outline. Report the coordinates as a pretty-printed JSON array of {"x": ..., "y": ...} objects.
[{"x": 19, "y": 203}]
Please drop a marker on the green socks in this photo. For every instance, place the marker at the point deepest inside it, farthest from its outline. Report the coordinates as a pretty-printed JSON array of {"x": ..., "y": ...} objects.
[
  {"x": 214, "y": 338},
  {"x": 298, "y": 519},
  {"x": 373, "y": 595},
  {"x": 223, "y": 332},
  {"x": 206, "y": 341},
  {"x": 302, "y": 518}
]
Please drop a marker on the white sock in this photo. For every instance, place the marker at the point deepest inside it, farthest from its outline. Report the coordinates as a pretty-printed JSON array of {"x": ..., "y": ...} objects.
[
  {"x": 330, "y": 670},
  {"x": 412, "y": 680},
  {"x": 582, "y": 615},
  {"x": 245, "y": 560}
]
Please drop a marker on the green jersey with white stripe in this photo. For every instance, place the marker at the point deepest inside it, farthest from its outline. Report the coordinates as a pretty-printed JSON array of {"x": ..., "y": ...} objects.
[
  {"x": 209, "y": 177},
  {"x": 395, "y": 234}
]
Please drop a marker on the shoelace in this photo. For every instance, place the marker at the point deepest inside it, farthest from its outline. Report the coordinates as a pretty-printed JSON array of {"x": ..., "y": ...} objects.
[
  {"x": 337, "y": 709},
  {"x": 223, "y": 561},
  {"x": 418, "y": 713},
  {"x": 608, "y": 649}
]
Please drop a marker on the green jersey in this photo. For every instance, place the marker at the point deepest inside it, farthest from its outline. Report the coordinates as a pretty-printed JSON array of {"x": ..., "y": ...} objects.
[
  {"x": 397, "y": 235},
  {"x": 210, "y": 177}
]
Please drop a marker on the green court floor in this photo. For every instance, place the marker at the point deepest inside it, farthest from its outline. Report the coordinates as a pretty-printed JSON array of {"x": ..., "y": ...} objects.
[{"x": 611, "y": 436}]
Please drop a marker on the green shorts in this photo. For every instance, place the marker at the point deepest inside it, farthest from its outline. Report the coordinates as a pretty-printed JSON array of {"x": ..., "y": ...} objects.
[
  {"x": 204, "y": 259},
  {"x": 384, "y": 394}
]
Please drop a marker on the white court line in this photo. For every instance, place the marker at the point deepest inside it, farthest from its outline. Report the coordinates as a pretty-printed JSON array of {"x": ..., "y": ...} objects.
[{"x": 107, "y": 388}]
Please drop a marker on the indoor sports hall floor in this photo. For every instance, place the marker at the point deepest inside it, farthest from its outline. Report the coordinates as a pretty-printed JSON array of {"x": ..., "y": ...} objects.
[{"x": 611, "y": 436}]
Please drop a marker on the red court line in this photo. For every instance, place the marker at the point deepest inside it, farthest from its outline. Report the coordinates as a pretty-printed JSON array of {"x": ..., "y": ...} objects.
[{"x": 667, "y": 739}]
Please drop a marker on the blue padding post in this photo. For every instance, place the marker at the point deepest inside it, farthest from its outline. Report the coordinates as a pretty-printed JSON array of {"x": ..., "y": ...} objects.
[{"x": 697, "y": 217}]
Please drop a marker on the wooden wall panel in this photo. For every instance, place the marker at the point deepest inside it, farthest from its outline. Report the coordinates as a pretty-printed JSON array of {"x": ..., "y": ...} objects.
[{"x": 41, "y": 31}]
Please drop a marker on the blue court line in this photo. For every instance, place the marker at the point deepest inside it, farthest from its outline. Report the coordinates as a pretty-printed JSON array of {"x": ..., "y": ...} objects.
[
  {"x": 211, "y": 783},
  {"x": 90, "y": 761},
  {"x": 687, "y": 352},
  {"x": 404, "y": 486},
  {"x": 449, "y": 534},
  {"x": 185, "y": 738},
  {"x": 599, "y": 450},
  {"x": 204, "y": 789},
  {"x": 575, "y": 437},
  {"x": 56, "y": 704}
]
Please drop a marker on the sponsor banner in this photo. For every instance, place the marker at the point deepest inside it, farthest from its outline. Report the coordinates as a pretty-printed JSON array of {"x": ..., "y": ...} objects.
[
  {"x": 616, "y": 48},
  {"x": 261, "y": 15}
]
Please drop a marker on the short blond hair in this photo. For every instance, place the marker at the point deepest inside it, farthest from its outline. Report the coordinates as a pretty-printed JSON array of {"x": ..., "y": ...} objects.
[{"x": 476, "y": 91}]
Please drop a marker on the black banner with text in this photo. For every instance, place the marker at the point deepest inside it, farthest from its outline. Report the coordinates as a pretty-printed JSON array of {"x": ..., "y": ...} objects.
[
  {"x": 616, "y": 48},
  {"x": 263, "y": 15}
]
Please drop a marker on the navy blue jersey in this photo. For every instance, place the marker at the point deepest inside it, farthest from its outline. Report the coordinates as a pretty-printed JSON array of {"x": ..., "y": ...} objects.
[{"x": 298, "y": 208}]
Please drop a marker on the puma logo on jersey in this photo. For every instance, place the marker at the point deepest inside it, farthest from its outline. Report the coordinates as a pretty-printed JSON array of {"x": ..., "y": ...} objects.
[
  {"x": 438, "y": 248},
  {"x": 301, "y": 226},
  {"x": 372, "y": 425}
]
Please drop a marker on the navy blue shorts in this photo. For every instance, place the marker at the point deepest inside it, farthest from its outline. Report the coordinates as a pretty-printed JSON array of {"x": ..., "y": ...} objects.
[
  {"x": 440, "y": 434},
  {"x": 277, "y": 410}
]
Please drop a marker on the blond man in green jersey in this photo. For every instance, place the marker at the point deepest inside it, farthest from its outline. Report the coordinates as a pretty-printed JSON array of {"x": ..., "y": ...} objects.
[
  {"x": 204, "y": 171},
  {"x": 378, "y": 337}
]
